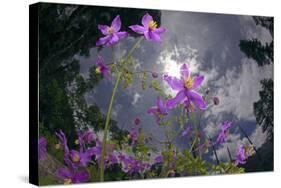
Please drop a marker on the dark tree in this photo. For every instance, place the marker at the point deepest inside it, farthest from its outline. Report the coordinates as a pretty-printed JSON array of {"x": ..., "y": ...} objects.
[
  {"x": 263, "y": 109},
  {"x": 262, "y": 54},
  {"x": 266, "y": 22}
]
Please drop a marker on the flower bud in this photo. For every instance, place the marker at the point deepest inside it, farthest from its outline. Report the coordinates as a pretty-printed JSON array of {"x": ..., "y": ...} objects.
[{"x": 216, "y": 101}]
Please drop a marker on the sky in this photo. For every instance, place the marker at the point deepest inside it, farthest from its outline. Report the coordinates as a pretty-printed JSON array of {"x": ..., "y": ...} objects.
[{"x": 209, "y": 43}]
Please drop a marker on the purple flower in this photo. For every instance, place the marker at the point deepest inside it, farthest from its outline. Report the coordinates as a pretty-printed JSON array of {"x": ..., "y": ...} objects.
[
  {"x": 101, "y": 67},
  {"x": 225, "y": 126},
  {"x": 159, "y": 159},
  {"x": 71, "y": 175},
  {"x": 130, "y": 164},
  {"x": 149, "y": 28},
  {"x": 112, "y": 33},
  {"x": 185, "y": 87},
  {"x": 133, "y": 136},
  {"x": 203, "y": 148},
  {"x": 187, "y": 131},
  {"x": 85, "y": 137},
  {"x": 241, "y": 155},
  {"x": 62, "y": 142},
  {"x": 172, "y": 173},
  {"x": 110, "y": 157},
  {"x": 159, "y": 111},
  {"x": 216, "y": 100},
  {"x": 42, "y": 148},
  {"x": 82, "y": 158}
]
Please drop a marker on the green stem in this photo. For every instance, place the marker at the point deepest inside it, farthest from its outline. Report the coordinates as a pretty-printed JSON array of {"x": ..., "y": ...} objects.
[{"x": 108, "y": 115}]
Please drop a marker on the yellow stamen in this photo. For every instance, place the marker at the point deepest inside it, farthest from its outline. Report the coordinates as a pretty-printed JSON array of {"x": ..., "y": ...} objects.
[
  {"x": 67, "y": 181},
  {"x": 76, "y": 158},
  {"x": 110, "y": 30},
  {"x": 57, "y": 146},
  {"x": 98, "y": 70},
  {"x": 188, "y": 83},
  {"x": 152, "y": 25},
  {"x": 76, "y": 141},
  {"x": 130, "y": 166}
]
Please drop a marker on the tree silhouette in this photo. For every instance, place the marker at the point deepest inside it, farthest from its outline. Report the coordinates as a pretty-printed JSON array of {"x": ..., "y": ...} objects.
[
  {"x": 262, "y": 54},
  {"x": 263, "y": 109}
]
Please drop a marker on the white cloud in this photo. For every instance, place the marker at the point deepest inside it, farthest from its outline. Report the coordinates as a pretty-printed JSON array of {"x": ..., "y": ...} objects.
[
  {"x": 240, "y": 89},
  {"x": 137, "y": 96}
]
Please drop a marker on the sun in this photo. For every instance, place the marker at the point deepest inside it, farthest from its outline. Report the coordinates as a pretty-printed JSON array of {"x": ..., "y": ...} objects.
[{"x": 172, "y": 68}]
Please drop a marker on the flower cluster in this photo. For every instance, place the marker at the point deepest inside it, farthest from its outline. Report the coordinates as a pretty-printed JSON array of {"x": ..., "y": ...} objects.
[
  {"x": 131, "y": 165},
  {"x": 112, "y": 35},
  {"x": 77, "y": 161}
]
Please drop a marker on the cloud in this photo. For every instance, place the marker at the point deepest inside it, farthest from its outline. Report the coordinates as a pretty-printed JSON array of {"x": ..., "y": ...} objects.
[
  {"x": 238, "y": 90},
  {"x": 137, "y": 96}
]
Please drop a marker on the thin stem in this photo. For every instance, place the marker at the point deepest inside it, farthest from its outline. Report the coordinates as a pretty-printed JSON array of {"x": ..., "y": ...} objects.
[
  {"x": 107, "y": 125},
  {"x": 108, "y": 115},
  {"x": 229, "y": 154}
]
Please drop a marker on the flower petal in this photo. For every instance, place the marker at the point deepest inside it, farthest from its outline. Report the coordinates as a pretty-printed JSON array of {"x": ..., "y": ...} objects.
[
  {"x": 176, "y": 100},
  {"x": 122, "y": 34},
  {"x": 152, "y": 110},
  {"x": 159, "y": 30},
  {"x": 154, "y": 36},
  {"x": 197, "y": 80},
  {"x": 197, "y": 99},
  {"x": 116, "y": 24},
  {"x": 94, "y": 151},
  {"x": 137, "y": 28},
  {"x": 103, "y": 40},
  {"x": 64, "y": 173},
  {"x": 146, "y": 19},
  {"x": 161, "y": 106},
  {"x": 81, "y": 177},
  {"x": 103, "y": 29},
  {"x": 184, "y": 71},
  {"x": 175, "y": 83},
  {"x": 113, "y": 40}
]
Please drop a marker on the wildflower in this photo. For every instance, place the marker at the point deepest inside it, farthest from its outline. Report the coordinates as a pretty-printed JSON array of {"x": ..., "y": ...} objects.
[
  {"x": 82, "y": 158},
  {"x": 42, "y": 148},
  {"x": 185, "y": 87},
  {"x": 62, "y": 142},
  {"x": 112, "y": 33},
  {"x": 101, "y": 67},
  {"x": 133, "y": 136},
  {"x": 159, "y": 111},
  {"x": 241, "y": 155},
  {"x": 159, "y": 159},
  {"x": 149, "y": 29},
  {"x": 72, "y": 175},
  {"x": 204, "y": 148},
  {"x": 225, "y": 126},
  {"x": 130, "y": 165}
]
